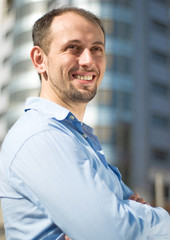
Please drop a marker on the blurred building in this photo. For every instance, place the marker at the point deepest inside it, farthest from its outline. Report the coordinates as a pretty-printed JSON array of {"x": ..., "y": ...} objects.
[
  {"x": 131, "y": 112},
  {"x": 18, "y": 77},
  {"x": 6, "y": 22},
  {"x": 6, "y": 43}
]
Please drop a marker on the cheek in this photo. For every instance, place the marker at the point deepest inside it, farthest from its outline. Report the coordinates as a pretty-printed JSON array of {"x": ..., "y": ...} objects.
[{"x": 67, "y": 63}]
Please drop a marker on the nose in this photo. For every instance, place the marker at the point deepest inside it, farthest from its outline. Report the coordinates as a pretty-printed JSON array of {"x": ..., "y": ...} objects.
[{"x": 86, "y": 58}]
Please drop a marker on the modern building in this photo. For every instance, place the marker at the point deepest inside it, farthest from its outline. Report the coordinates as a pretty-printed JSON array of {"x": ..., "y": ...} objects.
[
  {"x": 131, "y": 112},
  {"x": 151, "y": 98},
  {"x": 6, "y": 22},
  {"x": 18, "y": 77}
]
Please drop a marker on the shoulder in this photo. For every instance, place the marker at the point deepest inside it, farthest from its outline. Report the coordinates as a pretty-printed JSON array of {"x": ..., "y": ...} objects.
[{"x": 30, "y": 124}]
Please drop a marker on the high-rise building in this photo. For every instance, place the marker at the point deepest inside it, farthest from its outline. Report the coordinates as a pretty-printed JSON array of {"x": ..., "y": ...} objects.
[
  {"x": 24, "y": 81},
  {"x": 151, "y": 97},
  {"x": 131, "y": 112},
  {"x": 6, "y": 21},
  {"x": 18, "y": 77}
]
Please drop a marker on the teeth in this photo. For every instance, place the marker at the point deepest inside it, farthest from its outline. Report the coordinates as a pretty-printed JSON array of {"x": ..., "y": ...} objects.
[{"x": 84, "y": 77}]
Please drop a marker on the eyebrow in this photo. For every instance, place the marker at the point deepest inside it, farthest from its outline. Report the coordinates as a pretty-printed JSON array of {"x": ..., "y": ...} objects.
[
  {"x": 99, "y": 43},
  {"x": 78, "y": 41}
]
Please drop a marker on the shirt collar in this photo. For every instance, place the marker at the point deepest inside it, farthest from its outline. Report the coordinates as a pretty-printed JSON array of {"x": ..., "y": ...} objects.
[{"x": 51, "y": 109}]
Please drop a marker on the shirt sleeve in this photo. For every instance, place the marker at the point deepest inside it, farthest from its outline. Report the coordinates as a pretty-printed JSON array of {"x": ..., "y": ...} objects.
[
  {"x": 56, "y": 172},
  {"x": 127, "y": 192}
]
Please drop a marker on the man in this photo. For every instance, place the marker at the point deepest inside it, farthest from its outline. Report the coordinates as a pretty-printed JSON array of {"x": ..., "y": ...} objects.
[{"x": 55, "y": 181}]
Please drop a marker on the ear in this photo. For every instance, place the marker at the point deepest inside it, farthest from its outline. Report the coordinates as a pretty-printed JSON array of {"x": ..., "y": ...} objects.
[{"x": 38, "y": 58}]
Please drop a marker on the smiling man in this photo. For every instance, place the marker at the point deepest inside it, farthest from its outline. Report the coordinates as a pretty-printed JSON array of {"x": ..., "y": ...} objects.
[
  {"x": 55, "y": 182},
  {"x": 73, "y": 64}
]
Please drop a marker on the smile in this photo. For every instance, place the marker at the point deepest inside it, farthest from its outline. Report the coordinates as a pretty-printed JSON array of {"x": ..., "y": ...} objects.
[{"x": 85, "y": 77}]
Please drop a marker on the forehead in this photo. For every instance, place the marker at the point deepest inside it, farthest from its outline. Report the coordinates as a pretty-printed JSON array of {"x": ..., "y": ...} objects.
[{"x": 72, "y": 24}]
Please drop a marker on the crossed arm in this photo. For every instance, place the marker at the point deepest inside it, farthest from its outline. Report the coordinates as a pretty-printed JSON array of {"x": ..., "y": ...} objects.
[
  {"x": 135, "y": 197},
  {"x": 70, "y": 212}
]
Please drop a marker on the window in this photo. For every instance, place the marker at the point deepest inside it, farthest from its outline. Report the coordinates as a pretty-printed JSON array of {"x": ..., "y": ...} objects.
[
  {"x": 117, "y": 63},
  {"x": 126, "y": 101},
  {"x": 109, "y": 61},
  {"x": 51, "y": 3},
  {"x": 20, "y": 96},
  {"x": 105, "y": 97},
  {"x": 122, "y": 100},
  {"x": 29, "y": 8},
  {"x": 8, "y": 33},
  {"x": 106, "y": 134},
  {"x": 108, "y": 25},
  {"x": 123, "y": 135},
  {"x": 6, "y": 60},
  {"x": 165, "y": 2},
  {"x": 160, "y": 121},
  {"x": 118, "y": 29},
  {"x": 123, "y": 3},
  {"x": 22, "y": 38},
  {"x": 159, "y": 27},
  {"x": 167, "y": 192},
  {"x": 114, "y": 98},
  {"x": 122, "y": 30},
  {"x": 159, "y": 57},
  {"x": 23, "y": 66},
  {"x": 122, "y": 64},
  {"x": 160, "y": 155},
  {"x": 4, "y": 88},
  {"x": 160, "y": 89},
  {"x": 9, "y": 5}
]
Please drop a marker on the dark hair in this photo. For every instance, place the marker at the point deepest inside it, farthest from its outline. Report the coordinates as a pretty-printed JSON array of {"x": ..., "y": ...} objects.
[{"x": 41, "y": 28}]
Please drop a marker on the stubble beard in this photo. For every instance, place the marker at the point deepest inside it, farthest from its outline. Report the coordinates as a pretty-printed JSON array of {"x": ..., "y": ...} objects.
[
  {"x": 81, "y": 97},
  {"x": 72, "y": 94}
]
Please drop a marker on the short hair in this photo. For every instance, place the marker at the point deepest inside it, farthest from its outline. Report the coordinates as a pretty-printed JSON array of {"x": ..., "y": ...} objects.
[{"x": 41, "y": 28}]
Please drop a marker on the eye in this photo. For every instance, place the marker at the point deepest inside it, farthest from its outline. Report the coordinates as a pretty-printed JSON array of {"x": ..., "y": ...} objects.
[
  {"x": 97, "y": 50},
  {"x": 73, "y": 47}
]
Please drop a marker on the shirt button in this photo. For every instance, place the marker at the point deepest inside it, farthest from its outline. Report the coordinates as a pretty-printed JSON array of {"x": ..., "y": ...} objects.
[
  {"x": 84, "y": 135},
  {"x": 72, "y": 117}
]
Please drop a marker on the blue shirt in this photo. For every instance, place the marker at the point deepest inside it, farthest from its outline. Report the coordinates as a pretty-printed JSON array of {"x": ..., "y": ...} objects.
[{"x": 54, "y": 179}]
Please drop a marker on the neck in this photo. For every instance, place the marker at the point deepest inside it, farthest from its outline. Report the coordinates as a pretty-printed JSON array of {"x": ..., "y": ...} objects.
[{"x": 78, "y": 109}]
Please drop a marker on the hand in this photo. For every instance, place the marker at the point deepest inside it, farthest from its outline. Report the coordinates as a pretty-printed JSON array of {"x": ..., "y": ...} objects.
[
  {"x": 67, "y": 238},
  {"x": 136, "y": 197}
]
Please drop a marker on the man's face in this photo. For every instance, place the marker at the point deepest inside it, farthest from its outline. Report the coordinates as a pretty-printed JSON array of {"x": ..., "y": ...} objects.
[{"x": 76, "y": 58}]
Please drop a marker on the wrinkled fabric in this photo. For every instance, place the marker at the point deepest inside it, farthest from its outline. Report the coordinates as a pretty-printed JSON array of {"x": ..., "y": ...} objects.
[{"x": 54, "y": 180}]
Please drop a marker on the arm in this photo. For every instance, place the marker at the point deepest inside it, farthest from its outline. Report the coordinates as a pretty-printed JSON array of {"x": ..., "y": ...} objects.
[
  {"x": 75, "y": 196},
  {"x": 136, "y": 197}
]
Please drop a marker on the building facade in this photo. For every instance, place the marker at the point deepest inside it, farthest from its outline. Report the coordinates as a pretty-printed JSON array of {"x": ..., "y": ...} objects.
[
  {"x": 131, "y": 112},
  {"x": 6, "y": 43}
]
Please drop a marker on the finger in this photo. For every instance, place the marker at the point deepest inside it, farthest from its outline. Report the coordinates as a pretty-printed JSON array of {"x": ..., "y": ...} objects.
[
  {"x": 141, "y": 200},
  {"x": 67, "y": 238},
  {"x": 134, "y": 197}
]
